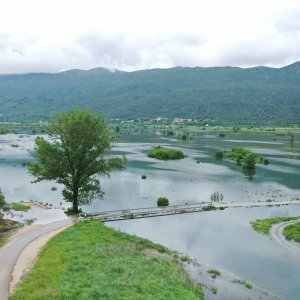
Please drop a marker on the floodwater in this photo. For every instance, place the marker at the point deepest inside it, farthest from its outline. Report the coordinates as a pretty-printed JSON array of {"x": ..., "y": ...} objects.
[{"x": 222, "y": 239}]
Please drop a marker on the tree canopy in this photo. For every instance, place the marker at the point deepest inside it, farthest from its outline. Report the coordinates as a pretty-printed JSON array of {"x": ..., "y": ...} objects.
[{"x": 75, "y": 153}]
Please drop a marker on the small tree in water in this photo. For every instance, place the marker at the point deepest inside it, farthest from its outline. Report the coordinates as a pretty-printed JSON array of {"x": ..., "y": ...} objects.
[
  {"x": 74, "y": 155},
  {"x": 290, "y": 135},
  {"x": 217, "y": 197}
]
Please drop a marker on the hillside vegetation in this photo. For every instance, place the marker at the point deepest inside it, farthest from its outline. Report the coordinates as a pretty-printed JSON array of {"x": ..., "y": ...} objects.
[{"x": 221, "y": 95}]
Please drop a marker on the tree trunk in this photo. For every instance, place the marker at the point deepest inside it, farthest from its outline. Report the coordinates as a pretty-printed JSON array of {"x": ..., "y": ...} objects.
[{"x": 75, "y": 201}]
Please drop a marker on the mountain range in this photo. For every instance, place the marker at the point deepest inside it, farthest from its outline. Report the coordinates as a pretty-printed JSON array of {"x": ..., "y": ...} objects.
[{"x": 222, "y": 95}]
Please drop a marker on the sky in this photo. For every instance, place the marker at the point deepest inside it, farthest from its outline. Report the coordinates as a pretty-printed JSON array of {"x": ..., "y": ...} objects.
[{"x": 129, "y": 35}]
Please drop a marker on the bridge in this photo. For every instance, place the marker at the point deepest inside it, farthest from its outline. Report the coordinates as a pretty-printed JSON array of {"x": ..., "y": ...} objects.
[{"x": 149, "y": 212}]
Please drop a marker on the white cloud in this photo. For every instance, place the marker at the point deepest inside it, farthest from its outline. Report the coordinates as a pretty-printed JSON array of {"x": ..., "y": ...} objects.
[{"x": 48, "y": 36}]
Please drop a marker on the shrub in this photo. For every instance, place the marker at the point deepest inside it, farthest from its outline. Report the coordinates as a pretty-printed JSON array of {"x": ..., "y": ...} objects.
[
  {"x": 129, "y": 216},
  {"x": 266, "y": 162},
  {"x": 54, "y": 188},
  {"x": 143, "y": 176},
  {"x": 183, "y": 137},
  {"x": 69, "y": 212},
  {"x": 166, "y": 154},
  {"x": 162, "y": 201},
  {"x": 208, "y": 208}
]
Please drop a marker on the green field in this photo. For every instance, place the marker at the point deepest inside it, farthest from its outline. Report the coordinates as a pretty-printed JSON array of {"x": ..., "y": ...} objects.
[{"x": 92, "y": 261}]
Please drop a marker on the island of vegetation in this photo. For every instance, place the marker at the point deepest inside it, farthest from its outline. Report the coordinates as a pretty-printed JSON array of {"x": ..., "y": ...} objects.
[
  {"x": 92, "y": 261},
  {"x": 162, "y": 201},
  {"x": 166, "y": 154},
  {"x": 244, "y": 156}
]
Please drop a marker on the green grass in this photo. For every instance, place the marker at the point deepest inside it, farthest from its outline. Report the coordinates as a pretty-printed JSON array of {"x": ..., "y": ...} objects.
[
  {"x": 264, "y": 225},
  {"x": 19, "y": 206},
  {"x": 92, "y": 261},
  {"x": 292, "y": 232}
]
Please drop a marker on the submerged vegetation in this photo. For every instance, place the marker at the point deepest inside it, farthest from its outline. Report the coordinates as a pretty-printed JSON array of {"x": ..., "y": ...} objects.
[
  {"x": 214, "y": 273},
  {"x": 243, "y": 282},
  {"x": 245, "y": 157},
  {"x": 219, "y": 155},
  {"x": 216, "y": 197},
  {"x": 92, "y": 261},
  {"x": 166, "y": 154}
]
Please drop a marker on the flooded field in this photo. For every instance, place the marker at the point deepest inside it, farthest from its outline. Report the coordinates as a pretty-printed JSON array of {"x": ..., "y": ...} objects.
[{"x": 222, "y": 239}]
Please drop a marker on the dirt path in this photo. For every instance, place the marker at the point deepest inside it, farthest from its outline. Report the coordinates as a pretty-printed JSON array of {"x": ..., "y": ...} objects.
[
  {"x": 11, "y": 251},
  {"x": 277, "y": 234}
]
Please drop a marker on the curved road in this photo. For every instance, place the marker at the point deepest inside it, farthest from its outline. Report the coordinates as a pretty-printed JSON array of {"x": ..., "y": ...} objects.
[
  {"x": 10, "y": 252},
  {"x": 277, "y": 234}
]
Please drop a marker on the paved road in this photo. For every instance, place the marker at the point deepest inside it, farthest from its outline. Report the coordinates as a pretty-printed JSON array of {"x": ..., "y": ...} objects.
[
  {"x": 10, "y": 252},
  {"x": 277, "y": 234}
]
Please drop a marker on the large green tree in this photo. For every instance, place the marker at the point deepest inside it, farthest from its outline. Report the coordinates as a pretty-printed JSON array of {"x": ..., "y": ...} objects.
[{"x": 74, "y": 154}]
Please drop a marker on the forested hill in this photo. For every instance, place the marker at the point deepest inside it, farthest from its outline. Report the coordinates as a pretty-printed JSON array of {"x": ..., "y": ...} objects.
[{"x": 228, "y": 95}]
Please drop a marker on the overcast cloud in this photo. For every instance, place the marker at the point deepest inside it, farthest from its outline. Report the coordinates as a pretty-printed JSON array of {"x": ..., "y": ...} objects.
[{"x": 51, "y": 36}]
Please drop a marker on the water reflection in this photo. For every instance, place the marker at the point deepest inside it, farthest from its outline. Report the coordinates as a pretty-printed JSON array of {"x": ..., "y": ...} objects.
[
  {"x": 249, "y": 172},
  {"x": 225, "y": 240}
]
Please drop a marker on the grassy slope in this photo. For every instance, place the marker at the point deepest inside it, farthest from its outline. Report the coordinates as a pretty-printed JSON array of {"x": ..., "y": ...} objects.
[
  {"x": 264, "y": 225},
  {"x": 292, "y": 232},
  {"x": 91, "y": 261}
]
